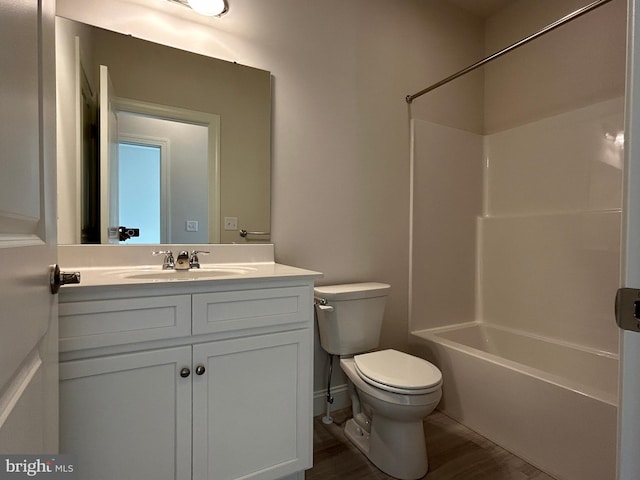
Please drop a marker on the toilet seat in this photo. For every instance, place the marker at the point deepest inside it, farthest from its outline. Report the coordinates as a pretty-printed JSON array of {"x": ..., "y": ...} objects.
[{"x": 398, "y": 372}]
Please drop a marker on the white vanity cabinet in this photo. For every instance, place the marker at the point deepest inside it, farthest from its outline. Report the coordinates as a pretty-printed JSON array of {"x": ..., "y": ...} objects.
[
  {"x": 202, "y": 380},
  {"x": 128, "y": 416}
]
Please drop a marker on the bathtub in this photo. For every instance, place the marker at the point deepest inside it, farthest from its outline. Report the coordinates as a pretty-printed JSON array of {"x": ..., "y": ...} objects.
[{"x": 552, "y": 404}]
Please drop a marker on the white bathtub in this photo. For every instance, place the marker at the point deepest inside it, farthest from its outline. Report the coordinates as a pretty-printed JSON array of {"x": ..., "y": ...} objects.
[{"x": 552, "y": 404}]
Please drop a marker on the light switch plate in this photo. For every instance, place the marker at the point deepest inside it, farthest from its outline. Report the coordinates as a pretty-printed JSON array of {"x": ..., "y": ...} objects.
[
  {"x": 230, "y": 223},
  {"x": 192, "y": 226}
]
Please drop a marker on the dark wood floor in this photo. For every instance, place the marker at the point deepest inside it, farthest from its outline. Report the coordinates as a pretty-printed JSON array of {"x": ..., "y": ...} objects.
[{"x": 455, "y": 453}]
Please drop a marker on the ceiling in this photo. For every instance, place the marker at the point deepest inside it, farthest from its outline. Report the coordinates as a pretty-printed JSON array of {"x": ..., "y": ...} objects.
[{"x": 481, "y": 8}]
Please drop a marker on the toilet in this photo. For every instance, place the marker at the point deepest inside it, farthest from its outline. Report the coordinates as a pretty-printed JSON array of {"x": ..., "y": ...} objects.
[{"x": 391, "y": 392}]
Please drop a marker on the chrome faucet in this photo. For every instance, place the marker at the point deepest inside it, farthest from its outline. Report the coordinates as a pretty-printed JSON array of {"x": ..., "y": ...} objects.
[
  {"x": 182, "y": 262},
  {"x": 185, "y": 261},
  {"x": 168, "y": 263},
  {"x": 194, "y": 261}
]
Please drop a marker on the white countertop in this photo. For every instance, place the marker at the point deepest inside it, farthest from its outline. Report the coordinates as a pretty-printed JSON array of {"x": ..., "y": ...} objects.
[
  {"x": 153, "y": 274},
  {"x": 128, "y": 265}
]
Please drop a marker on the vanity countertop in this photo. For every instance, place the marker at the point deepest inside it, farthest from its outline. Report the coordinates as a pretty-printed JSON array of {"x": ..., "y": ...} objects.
[
  {"x": 153, "y": 274},
  {"x": 127, "y": 266}
]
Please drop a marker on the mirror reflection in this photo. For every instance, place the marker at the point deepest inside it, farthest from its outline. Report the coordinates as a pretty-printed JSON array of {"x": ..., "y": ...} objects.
[{"x": 156, "y": 144}]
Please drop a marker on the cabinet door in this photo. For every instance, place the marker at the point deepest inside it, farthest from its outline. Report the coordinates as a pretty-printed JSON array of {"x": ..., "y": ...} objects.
[
  {"x": 252, "y": 407},
  {"x": 128, "y": 416}
]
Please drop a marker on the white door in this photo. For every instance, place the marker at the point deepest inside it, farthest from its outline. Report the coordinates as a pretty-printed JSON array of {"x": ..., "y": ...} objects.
[
  {"x": 629, "y": 412},
  {"x": 109, "y": 220},
  {"x": 28, "y": 313}
]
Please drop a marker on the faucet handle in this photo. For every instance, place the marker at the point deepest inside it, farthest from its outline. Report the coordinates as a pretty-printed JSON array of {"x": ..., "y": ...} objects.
[
  {"x": 194, "y": 261},
  {"x": 168, "y": 263}
]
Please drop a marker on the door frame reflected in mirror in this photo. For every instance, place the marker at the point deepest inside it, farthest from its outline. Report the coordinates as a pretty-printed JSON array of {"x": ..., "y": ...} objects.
[{"x": 181, "y": 115}]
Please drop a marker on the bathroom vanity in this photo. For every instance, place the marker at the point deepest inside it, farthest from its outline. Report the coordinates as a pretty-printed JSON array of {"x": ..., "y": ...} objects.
[{"x": 205, "y": 376}]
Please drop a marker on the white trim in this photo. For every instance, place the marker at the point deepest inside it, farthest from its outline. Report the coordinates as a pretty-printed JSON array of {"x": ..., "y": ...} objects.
[
  {"x": 294, "y": 476},
  {"x": 628, "y": 461}
]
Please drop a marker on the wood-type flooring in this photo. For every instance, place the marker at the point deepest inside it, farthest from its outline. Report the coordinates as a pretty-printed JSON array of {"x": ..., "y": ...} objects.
[{"x": 454, "y": 452}]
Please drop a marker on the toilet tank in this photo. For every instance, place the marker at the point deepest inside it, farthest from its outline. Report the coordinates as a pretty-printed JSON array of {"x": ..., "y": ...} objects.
[{"x": 351, "y": 320}]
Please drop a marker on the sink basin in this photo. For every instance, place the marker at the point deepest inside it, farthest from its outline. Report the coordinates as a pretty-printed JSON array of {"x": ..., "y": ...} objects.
[{"x": 176, "y": 275}]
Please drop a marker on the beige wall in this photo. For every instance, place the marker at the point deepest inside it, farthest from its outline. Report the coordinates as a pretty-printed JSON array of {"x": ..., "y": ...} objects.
[
  {"x": 575, "y": 65},
  {"x": 341, "y": 70}
]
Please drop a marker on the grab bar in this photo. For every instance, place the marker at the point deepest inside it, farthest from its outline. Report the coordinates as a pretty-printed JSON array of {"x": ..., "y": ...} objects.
[{"x": 244, "y": 233}]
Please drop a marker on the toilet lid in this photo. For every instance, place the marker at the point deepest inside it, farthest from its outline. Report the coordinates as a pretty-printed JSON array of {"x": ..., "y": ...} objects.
[{"x": 398, "y": 372}]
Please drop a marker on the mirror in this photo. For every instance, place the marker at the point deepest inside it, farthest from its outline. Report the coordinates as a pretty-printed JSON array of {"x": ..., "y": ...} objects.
[{"x": 205, "y": 197}]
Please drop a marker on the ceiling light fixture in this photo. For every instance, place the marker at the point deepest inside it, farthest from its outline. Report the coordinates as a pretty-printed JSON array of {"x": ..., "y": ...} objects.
[{"x": 210, "y": 8}]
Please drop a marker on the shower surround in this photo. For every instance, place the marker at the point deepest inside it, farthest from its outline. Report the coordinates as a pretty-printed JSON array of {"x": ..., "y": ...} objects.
[{"x": 522, "y": 325}]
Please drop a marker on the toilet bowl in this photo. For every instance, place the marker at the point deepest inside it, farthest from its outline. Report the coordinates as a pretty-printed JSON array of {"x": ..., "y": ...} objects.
[
  {"x": 389, "y": 409},
  {"x": 391, "y": 391}
]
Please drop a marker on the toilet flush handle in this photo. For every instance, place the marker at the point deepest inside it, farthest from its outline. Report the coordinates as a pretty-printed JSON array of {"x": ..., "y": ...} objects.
[{"x": 322, "y": 304}]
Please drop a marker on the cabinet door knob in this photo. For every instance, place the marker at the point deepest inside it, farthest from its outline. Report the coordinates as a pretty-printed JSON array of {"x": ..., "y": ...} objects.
[
  {"x": 200, "y": 370},
  {"x": 185, "y": 372}
]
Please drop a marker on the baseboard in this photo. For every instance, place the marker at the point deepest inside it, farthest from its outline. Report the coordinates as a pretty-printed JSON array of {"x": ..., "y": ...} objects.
[
  {"x": 340, "y": 395},
  {"x": 294, "y": 476}
]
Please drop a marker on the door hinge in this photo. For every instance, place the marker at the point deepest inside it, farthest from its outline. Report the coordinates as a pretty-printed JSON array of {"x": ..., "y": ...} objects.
[{"x": 628, "y": 309}]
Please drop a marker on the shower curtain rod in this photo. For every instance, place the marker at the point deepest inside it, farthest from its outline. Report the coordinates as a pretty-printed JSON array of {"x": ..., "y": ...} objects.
[{"x": 547, "y": 29}]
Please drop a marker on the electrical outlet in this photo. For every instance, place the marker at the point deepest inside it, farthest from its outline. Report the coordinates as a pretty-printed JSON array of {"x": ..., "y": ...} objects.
[
  {"x": 191, "y": 226},
  {"x": 230, "y": 223}
]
